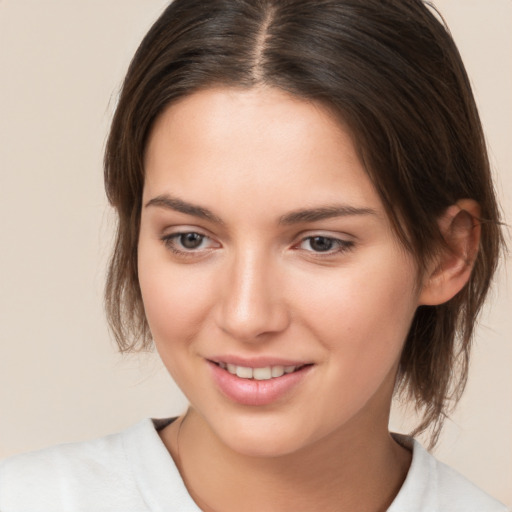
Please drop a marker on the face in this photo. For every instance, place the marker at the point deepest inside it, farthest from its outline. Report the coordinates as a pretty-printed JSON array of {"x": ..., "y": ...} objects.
[{"x": 277, "y": 294}]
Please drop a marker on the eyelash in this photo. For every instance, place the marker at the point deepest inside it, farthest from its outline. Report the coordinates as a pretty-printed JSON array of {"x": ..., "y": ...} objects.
[{"x": 340, "y": 246}]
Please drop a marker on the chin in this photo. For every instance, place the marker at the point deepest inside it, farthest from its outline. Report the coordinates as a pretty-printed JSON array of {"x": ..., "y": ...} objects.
[
  {"x": 259, "y": 446},
  {"x": 262, "y": 436}
]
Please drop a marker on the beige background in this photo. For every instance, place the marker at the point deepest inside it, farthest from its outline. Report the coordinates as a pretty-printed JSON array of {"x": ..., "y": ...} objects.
[{"x": 61, "y": 63}]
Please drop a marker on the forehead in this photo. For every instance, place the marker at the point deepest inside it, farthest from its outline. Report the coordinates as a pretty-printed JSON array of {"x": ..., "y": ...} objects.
[{"x": 218, "y": 146}]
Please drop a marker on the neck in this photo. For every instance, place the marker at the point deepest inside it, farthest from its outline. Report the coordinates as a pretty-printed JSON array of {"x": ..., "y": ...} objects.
[{"x": 365, "y": 469}]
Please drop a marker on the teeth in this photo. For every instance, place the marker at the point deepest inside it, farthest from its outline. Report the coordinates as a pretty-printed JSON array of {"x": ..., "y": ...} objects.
[
  {"x": 265, "y": 373},
  {"x": 243, "y": 372},
  {"x": 277, "y": 371},
  {"x": 262, "y": 373}
]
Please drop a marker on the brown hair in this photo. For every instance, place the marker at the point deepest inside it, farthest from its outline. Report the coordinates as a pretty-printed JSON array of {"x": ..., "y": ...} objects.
[{"x": 391, "y": 70}]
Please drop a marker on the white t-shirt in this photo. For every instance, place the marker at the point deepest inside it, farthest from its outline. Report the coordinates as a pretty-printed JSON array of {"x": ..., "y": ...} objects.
[{"x": 133, "y": 472}]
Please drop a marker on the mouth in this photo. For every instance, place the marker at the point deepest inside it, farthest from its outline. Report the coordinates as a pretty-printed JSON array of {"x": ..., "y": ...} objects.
[
  {"x": 259, "y": 373},
  {"x": 258, "y": 381}
]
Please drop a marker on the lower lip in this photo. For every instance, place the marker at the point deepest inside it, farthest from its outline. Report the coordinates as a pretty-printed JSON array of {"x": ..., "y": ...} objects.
[{"x": 256, "y": 392}]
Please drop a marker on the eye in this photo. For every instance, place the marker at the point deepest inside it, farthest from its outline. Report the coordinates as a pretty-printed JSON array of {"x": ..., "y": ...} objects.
[
  {"x": 325, "y": 244},
  {"x": 188, "y": 242}
]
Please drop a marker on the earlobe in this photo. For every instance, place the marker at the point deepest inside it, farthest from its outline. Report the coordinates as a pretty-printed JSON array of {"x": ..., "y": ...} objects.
[{"x": 460, "y": 227}]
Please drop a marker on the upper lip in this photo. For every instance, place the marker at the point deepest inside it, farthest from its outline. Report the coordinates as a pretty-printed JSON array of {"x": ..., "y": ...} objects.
[{"x": 257, "y": 362}]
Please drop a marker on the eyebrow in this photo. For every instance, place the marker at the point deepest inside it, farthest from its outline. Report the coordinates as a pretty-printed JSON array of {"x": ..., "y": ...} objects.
[
  {"x": 322, "y": 213},
  {"x": 178, "y": 205},
  {"x": 294, "y": 217}
]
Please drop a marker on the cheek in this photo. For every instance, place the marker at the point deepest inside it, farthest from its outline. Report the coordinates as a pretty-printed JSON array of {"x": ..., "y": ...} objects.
[
  {"x": 363, "y": 314},
  {"x": 176, "y": 312},
  {"x": 175, "y": 297}
]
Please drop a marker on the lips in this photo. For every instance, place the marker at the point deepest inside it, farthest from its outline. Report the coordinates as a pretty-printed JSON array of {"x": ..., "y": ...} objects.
[{"x": 257, "y": 383}]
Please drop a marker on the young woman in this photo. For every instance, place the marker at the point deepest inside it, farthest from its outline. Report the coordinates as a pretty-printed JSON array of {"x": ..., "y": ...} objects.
[{"x": 307, "y": 225}]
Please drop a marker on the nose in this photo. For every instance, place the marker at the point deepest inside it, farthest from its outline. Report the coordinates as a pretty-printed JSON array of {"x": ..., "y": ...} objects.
[{"x": 253, "y": 305}]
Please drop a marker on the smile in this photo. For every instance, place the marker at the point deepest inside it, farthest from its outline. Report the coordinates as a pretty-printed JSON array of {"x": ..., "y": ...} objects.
[
  {"x": 263, "y": 373},
  {"x": 258, "y": 385}
]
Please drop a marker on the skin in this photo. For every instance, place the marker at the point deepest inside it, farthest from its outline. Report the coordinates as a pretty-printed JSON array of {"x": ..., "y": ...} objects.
[{"x": 257, "y": 286}]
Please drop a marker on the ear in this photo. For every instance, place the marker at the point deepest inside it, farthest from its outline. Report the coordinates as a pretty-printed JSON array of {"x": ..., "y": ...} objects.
[{"x": 452, "y": 267}]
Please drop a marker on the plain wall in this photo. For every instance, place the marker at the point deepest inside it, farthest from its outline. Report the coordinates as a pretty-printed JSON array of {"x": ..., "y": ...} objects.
[{"x": 61, "y": 379}]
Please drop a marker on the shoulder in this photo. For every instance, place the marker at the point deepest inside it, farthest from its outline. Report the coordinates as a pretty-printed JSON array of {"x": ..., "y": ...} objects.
[
  {"x": 71, "y": 477},
  {"x": 455, "y": 490},
  {"x": 432, "y": 486}
]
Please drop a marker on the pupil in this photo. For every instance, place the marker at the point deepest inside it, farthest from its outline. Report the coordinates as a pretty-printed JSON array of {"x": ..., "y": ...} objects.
[
  {"x": 321, "y": 243},
  {"x": 191, "y": 240}
]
